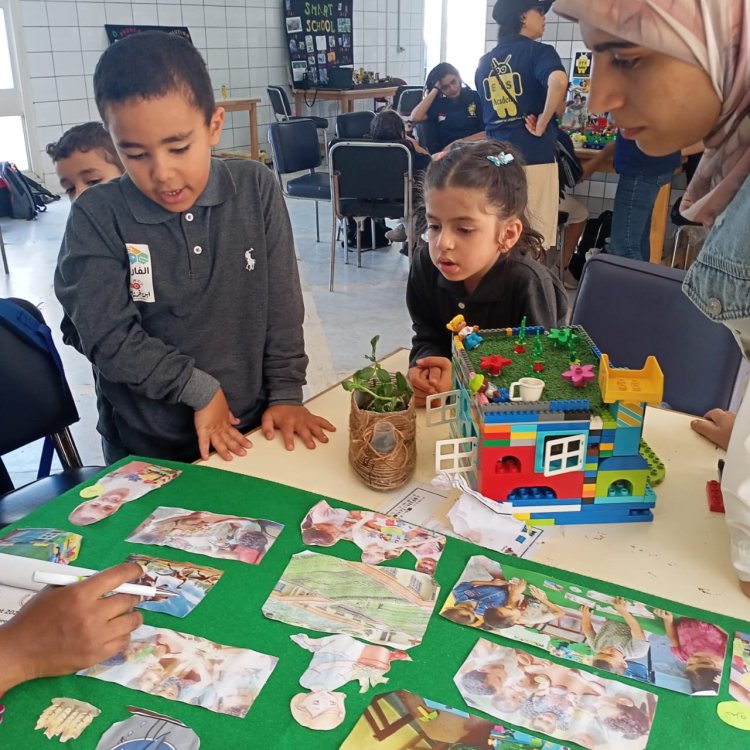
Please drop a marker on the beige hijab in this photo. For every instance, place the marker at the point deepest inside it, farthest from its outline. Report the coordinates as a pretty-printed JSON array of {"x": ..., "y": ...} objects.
[{"x": 715, "y": 36}]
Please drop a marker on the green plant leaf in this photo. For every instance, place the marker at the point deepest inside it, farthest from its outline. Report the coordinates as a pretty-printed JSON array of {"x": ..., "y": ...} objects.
[
  {"x": 383, "y": 376},
  {"x": 403, "y": 385},
  {"x": 349, "y": 385},
  {"x": 365, "y": 374}
]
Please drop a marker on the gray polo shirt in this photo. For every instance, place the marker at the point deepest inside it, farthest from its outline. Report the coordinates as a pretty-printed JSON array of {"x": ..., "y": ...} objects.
[{"x": 168, "y": 306}]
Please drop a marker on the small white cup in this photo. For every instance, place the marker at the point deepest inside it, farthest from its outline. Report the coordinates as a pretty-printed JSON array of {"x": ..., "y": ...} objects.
[{"x": 529, "y": 389}]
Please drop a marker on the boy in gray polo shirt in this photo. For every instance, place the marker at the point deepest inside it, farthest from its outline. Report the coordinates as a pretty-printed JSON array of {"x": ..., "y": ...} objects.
[{"x": 179, "y": 281}]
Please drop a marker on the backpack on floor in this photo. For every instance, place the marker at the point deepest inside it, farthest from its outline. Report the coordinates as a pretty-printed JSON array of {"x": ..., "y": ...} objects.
[
  {"x": 22, "y": 205},
  {"x": 41, "y": 195},
  {"x": 380, "y": 229},
  {"x": 597, "y": 231}
]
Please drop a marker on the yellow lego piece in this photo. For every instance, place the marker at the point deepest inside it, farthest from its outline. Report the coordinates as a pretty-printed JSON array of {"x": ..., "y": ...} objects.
[{"x": 631, "y": 385}]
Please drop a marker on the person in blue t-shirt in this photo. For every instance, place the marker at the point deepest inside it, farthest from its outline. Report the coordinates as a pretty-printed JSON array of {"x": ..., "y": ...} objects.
[
  {"x": 522, "y": 83},
  {"x": 450, "y": 111},
  {"x": 641, "y": 178}
]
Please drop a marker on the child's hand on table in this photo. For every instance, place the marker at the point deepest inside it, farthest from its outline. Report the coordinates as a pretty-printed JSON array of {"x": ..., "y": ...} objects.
[
  {"x": 293, "y": 420},
  {"x": 430, "y": 376},
  {"x": 537, "y": 593},
  {"x": 216, "y": 427},
  {"x": 67, "y": 628},
  {"x": 585, "y": 616}
]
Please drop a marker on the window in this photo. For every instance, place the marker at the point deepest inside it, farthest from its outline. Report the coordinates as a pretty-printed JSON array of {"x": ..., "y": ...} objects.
[
  {"x": 455, "y": 456},
  {"x": 564, "y": 454},
  {"x": 13, "y": 143},
  {"x": 442, "y": 408}
]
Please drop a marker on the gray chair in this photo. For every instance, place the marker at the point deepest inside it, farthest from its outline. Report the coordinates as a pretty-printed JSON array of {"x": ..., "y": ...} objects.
[
  {"x": 354, "y": 124},
  {"x": 369, "y": 179},
  {"x": 295, "y": 148},
  {"x": 406, "y": 98},
  {"x": 282, "y": 112},
  {"x": 633, "y": 309}
]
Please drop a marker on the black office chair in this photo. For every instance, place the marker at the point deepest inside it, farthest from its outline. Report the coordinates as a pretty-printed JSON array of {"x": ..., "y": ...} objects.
[
  {"x": 369, "y": 179},
  {"x": 282, "y": 111},
  {"x": 406, "y": 98},
  {"x": 354, "y": 124},
  {"x": 294, "y": 145},
  {"x": 35, "y": 402},
  {"x": 633, "y": 309}
]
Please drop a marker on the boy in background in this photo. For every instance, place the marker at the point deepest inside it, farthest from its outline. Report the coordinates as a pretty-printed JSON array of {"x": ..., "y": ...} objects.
[
  {"x": 179, "y": 281},
  {"x": 83, "y": 157}
]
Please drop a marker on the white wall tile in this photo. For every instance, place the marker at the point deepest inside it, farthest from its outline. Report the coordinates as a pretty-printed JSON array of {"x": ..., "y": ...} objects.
[
  {"x": 169, "y": 15},
  {"x": 215, "y": 16},
  {"x": 146, "y": 13},
  {"x": 71, "y": 87},
  {"x": 93, "y": 38},
  {"x": 47, "y": 113},
  {"x": 90, "y": 59},
  {"x": 36, "y": 39},
  {"x": 90, "y": 14},
  {"x": 43, "y": 90},
  {"x": 65, "y": 39},
  {"x": 39, "y": 64},
  {"x": 61, "y": 14},
  {"x": 118, "y": 13},
  {"x": 34, "y": 13},
  {"x": 74, "y": 111},
  {"x": 192, "y": 15},
  {"x": 68, "y": 63},
  {"x": 216, "y": 37}
]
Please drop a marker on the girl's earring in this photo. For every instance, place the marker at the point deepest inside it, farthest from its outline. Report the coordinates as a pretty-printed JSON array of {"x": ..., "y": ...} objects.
[{"x": 424, "y": 237}]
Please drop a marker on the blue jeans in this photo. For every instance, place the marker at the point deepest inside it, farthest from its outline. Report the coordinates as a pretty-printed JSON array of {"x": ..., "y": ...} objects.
[{"x": 631, "y": 223}]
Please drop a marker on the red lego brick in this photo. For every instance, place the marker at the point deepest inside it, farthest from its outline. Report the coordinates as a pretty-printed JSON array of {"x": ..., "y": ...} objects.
[{"x": 715, "y": 498}]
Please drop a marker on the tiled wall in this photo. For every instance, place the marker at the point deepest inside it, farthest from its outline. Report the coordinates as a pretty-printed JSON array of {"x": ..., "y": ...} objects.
[{"x": 243, "y": 42}]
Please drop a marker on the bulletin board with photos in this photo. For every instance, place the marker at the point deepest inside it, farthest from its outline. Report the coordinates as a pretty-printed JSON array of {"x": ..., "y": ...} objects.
[
  {"x": 577, "y": 104},
  {"x": 319, "y": 38}
]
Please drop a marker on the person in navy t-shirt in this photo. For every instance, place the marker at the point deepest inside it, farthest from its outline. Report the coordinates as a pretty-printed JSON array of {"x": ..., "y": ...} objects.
[
  {"x": 641, "y": 179},
  {"x": 522, "y": 83},
  {"x": 450, "y": 111}
]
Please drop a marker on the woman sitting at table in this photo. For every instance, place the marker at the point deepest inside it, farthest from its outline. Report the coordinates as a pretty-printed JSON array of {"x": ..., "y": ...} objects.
[{"x": 450, "y": 110}]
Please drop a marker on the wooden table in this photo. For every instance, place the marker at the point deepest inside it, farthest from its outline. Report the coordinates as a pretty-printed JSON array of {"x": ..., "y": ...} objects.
[
  {"x": 682, "y": 555},
  {"x": 345, "y": 97},
  {"x": 660, "y": 215},
  {"x": 251, "y": 106}
]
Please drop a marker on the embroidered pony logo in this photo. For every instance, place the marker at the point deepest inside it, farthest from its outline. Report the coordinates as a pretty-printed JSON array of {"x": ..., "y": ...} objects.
[{"x": 249, "y": 260}]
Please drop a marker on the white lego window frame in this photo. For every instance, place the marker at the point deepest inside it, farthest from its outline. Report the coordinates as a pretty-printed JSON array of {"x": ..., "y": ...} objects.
[
  {"x": 564, "y": 455},
  {"x": 455, "y": 456},
  {"x": 442, "y": 408}
]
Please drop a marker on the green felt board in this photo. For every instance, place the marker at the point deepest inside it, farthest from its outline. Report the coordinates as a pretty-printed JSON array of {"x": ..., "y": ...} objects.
[{"x": 231, "y": 614}]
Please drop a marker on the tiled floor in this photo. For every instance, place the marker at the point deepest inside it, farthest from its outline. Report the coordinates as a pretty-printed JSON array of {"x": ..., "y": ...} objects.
[{"x": 338, "y": 326}]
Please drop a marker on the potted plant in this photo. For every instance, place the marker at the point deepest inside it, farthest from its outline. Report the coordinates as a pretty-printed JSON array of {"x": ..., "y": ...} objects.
[{"x": 382, "y": 425}]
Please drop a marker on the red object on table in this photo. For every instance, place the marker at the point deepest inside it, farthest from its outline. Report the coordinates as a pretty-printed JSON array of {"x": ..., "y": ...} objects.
[{"x": 715, "y": 498}]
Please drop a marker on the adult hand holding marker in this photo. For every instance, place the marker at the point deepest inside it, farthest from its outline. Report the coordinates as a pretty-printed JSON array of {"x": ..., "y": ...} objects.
[{"x": 62, "y": 630}]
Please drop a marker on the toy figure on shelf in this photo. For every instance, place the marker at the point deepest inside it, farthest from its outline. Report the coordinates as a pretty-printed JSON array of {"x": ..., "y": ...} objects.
[{"x": 466, "y": 333}]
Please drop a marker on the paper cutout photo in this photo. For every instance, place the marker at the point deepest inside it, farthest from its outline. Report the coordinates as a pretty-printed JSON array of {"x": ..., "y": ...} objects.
[{"x": 321, "y": 711}]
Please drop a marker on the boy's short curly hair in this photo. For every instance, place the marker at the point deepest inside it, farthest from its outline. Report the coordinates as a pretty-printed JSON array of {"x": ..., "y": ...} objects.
[
  {"x": 149, "y": 65},
  {"x": 86, "y": 137}
]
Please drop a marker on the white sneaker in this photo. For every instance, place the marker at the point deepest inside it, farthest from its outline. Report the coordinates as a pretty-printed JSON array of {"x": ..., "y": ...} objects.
[
  {"x": 569, "y": 281},
  {"x": 397, "y": 235}
]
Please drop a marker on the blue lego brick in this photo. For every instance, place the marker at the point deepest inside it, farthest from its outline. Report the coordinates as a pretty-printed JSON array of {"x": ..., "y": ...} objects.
[
  {"x": 510, "y": 417},
  {"x": 628, "y": 441},
  {"x": 570, "y": 405},
  {"x": 623, "y": 463},
  {"x": 619, "y": 500},
  {"x": 527, "y": 495},
  {"x": 641, "y": 515}
]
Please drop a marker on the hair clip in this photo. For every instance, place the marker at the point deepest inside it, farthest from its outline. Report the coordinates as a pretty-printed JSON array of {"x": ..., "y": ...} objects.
[{"x": 501, "y": 160}]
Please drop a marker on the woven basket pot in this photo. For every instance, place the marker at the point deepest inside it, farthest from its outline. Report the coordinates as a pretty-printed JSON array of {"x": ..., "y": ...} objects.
[{"x": 382, "y": 447}]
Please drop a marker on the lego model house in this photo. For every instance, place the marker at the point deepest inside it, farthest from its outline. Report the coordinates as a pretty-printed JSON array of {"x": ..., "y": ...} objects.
[{"x": 544, "y": 424}]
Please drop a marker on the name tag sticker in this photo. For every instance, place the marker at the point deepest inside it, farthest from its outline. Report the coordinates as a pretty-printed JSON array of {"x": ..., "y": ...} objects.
[{"x": 141, "y": 278}]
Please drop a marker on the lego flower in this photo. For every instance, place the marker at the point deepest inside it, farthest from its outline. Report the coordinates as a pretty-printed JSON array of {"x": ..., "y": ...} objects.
[
  {"x": 494, "y": 364},
  {"x": 579, "y": 375}
]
